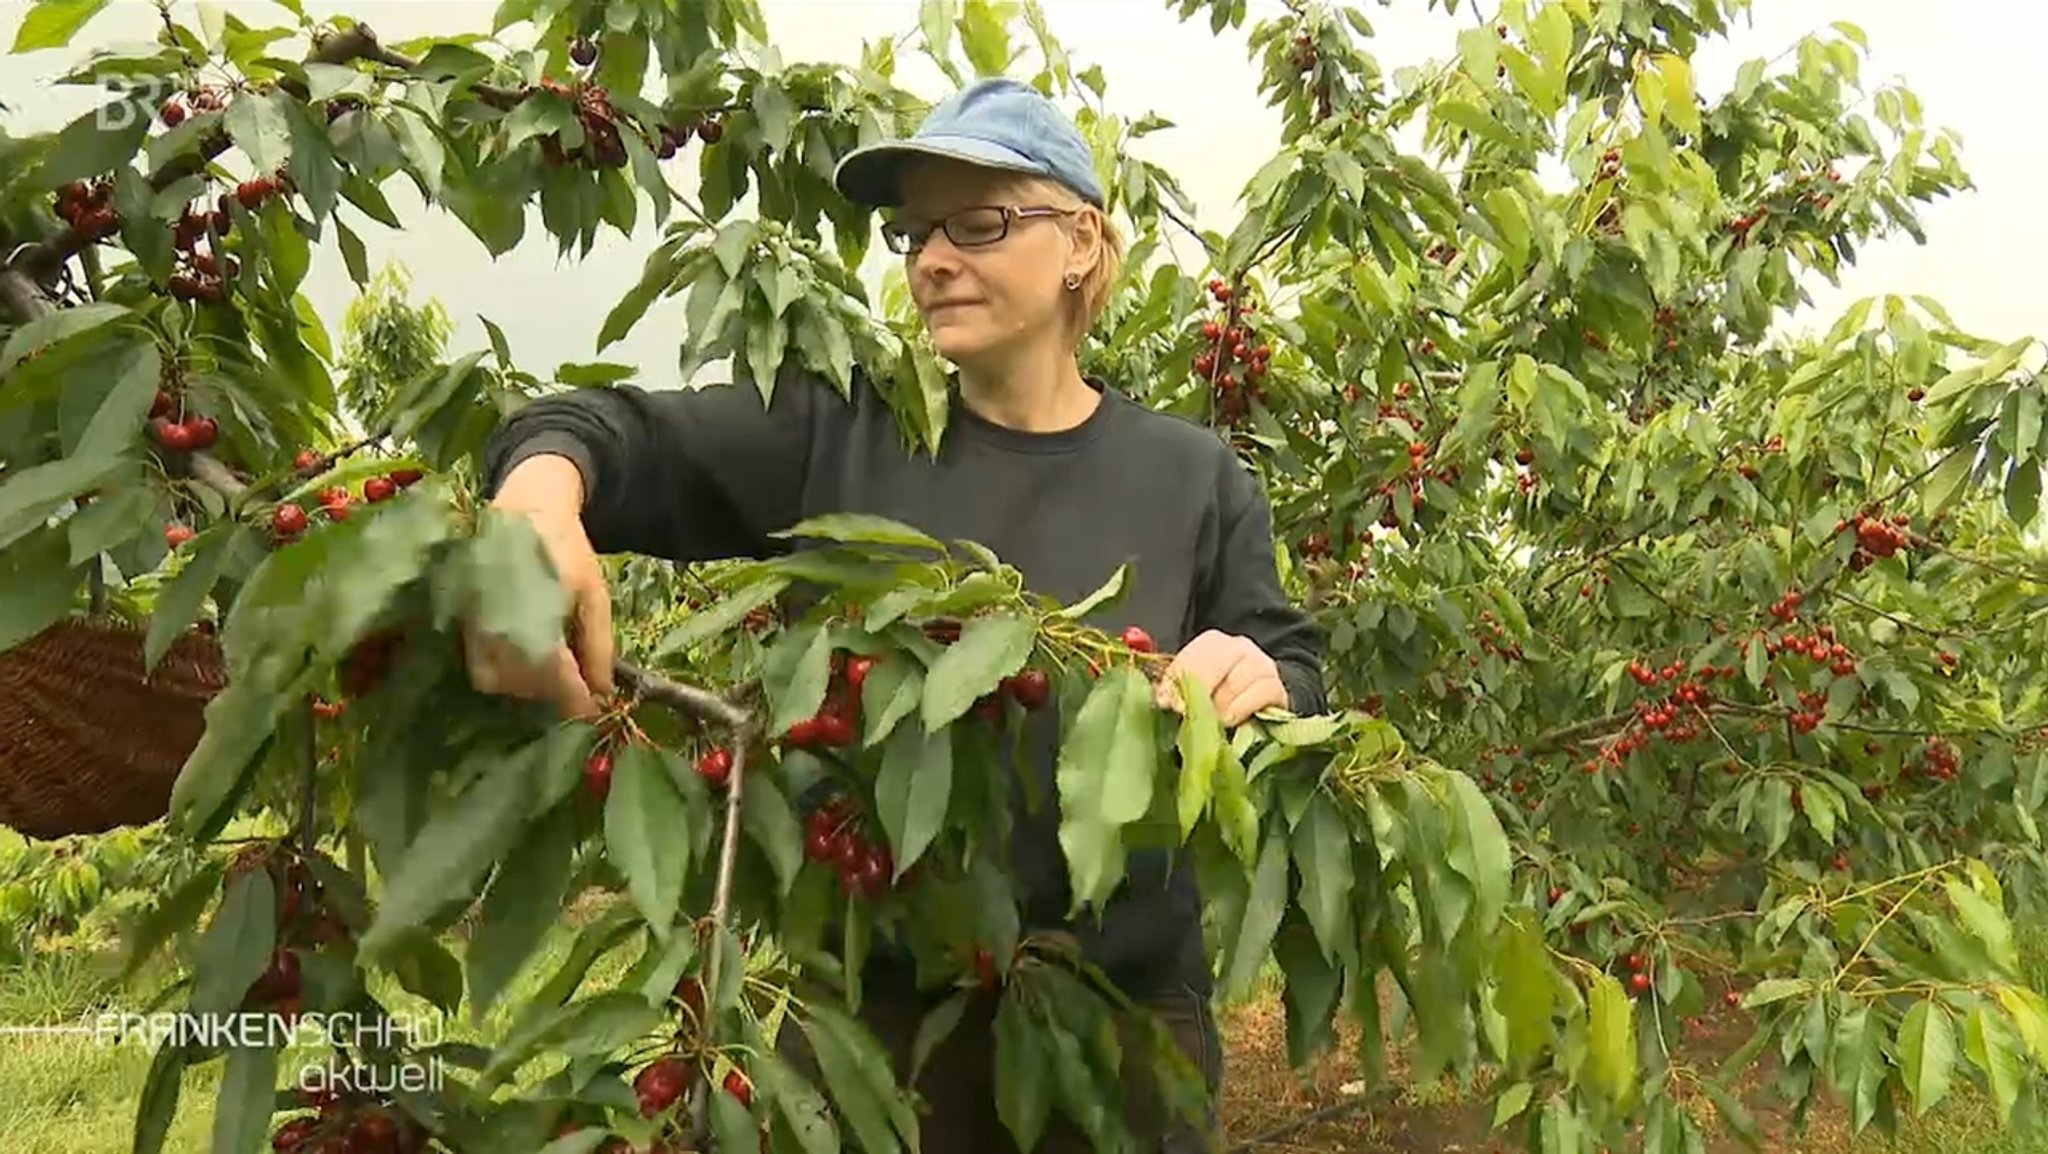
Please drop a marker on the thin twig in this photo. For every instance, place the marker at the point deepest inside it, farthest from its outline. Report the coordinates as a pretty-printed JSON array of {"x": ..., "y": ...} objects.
[{"x": 686, "y": 699}]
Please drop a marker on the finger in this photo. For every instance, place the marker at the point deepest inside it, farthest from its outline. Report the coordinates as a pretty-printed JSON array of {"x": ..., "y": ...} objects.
[
  {"x": 567, "y": 688},
  {"x": 1265, "y": 693},
  {"x": 1166, "y": 694},
  {"x": 595, "y": 645},
  {"x": 1242, "y": 674}
]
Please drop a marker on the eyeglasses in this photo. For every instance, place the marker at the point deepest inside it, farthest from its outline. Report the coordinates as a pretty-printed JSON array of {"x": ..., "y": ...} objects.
[{"x": 976, "y": 227}]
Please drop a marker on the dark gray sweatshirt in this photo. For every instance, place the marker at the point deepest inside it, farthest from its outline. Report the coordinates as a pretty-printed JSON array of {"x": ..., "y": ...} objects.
[{"x": 704, "y": 474}]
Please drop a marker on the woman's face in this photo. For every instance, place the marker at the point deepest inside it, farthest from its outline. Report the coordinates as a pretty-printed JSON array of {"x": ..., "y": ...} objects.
[{"x": 982, "y": 304}]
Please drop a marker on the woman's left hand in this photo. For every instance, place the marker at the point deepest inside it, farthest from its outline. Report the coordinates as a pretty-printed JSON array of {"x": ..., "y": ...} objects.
[{"x": 1241, "y": 678}]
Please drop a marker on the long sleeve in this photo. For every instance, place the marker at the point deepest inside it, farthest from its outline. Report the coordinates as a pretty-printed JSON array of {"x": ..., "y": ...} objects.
[
  {"x": 1240, "y": 591},
  {"x": 689, "y": 474}
]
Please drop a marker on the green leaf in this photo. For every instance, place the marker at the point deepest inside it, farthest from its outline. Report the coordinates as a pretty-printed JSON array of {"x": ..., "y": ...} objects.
[
  {"x": 893, "y": 688},
  {"x": 289, "y": 251},
  {"x": 47, "y": 331},
  {"x": 236, "y": 946},
  {"x": 257, "y": 123},
  {"x": 990, "y": 648},
  {"x": 239, "y": 722},
  {"x": 353, "y": 254},
  {"x": 1525, "y": 995},
  {"x": 936, "y": 1026},
  {"x": 37, "y": 581},
  {"x": 179, "y": 603},
  {"x": 1480, "y": 853},
  {"x": 1262, "y": 914},
  {"x": 859, "y": 1075},
  {"x": 98, "y": 142},
  {"x": 1927, "y": 1054},
  {"x": 248, "y": 1089},
  {"x": 1108, "y": 760},
  {"x": 1996, "y": 1049},
  {"x": 1611, "y": 1039},
  {"x": 644, "y": 820},
  {"x": 117, "y": 421},
  {"x": 766, "y": 815},
  {"x": 797, "y": 672},
  {"x": 456, "y": 846},
  {"x": 913, "y": 790},
  {"x": 802, "y": 1108},
  {"x": 860, "y": 529},
  {"x": 1511, "y": 1103},
  {"x": 1322, "y": 855},
  {"x": 52, "y": 23},
  {"x": 1023, "y": 1091},
  {"x": 1201, "y": 746},
  {"x": 732, "y": 1125},
  {"x": 513, "y": 589},
  {"x": 721, "y": 618},
  {"x": 985, "y": 37},
  {"x": 777, "y": 118},
  {"x": 520, "y": 907},
  {"x": 1104, "y": 596},
  {"x": 1987, "y": 923},
  {"x": 1772, "y": 990},
  {"x": 157, "y": 1106}
]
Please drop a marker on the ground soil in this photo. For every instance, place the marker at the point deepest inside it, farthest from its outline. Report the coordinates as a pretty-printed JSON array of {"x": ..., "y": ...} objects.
[{"x": 1262, "y": 1094}]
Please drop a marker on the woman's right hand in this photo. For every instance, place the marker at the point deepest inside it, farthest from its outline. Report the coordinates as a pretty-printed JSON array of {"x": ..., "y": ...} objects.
[{"x": 548, "y": 489}]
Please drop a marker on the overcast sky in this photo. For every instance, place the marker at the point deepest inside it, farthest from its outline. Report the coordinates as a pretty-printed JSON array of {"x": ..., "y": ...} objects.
[{"x": 1975, "y": 63}]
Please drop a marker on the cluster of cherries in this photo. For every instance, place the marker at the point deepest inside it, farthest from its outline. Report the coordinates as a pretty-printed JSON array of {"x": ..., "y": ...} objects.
[
  {"x": 348, "y": 1124},
  {"x": 1236, "y": 360},
  {"x": 88, "y": 209},
  {"x": 178, "y": 429},
  {"x": 289, "y": 520},
  {"x": 836, "y": 837},
  {"x": 303, "y": 921},
  {"x": 1877, "y": 537}
]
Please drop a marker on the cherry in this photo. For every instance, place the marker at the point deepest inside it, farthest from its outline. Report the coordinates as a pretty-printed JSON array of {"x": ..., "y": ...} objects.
[
  {"x": 875, "y": 868},
  {"x": 597, "y": 774},
  {"x": 293, "y": 1134},
  {"x": 820, "y": 845},
  {"x": 176, "y": 534},
  {"x": 803, "y": 734},
  {"x": 1138, "y": 641},
  {"x": 660, "y": 1083},
  {"x": 583, "y": 51},
  {"x": 990, "y": 708},
  {"x": 305, "y": 461},
  {"x": 1634, "y": 961},
  {"x": 715, "y": 767},
  {"x": 1732, "y": 999},
  {"x": 835, "y": 729},
  {"x": 690, "y": 992},
  {"x": 379, "y": 489},
  {"x": 288, "y": 521},
  {"x": 405, "y": 478},
  {"x": 1525, "y": 455},
  {"x": 204, "y": 431},
  {"x": 250, "y": 194},
  {"x": 985, "y": 969},
  {"x": 1556, "y": 894},
  {"x": 857, "y": 670},
  {"x": 162, "y": 405},
  {"x": 1031, "y": 687},
  {"x": 282, "y": 980},
  {"x": 1916, "y": 394},
  {"x": 373, "y": 1132},
  {"x": 173, "y": 435},
  {"x": 1640, "y": 983},
  {"x": 172, "y": 113},
  {"x": 737, "y": 1085},
  {"x": 710, "y": 132}
]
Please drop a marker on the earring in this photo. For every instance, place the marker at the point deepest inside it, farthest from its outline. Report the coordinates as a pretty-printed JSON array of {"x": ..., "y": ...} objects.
[{"x": 1073, "y": 281}]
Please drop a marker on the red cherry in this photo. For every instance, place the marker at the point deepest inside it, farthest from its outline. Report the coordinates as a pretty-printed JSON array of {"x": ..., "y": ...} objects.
[
  {"x": 293, "y": 1135},
  {"x": 173, "y": 435},
  {"x": 985, "y": 969},
  {"x": 173, "y": 113},
  {"x": 690, "y": 992},
  {"x": 379, "y": 489},
  {"x": 288, "y": 520},
  {"x": 1640, "y": 983},
  {"x": 176, "y": 535},
  {"x": 1556, "y": 894},
  {"x": 405, "y": 478},
  {"x": 875, "y": 868},
  {"x": 1138, "y": 641},
  {"x": 1732, "y": 999},
  {"x": 163, "y": 404},
  {"x": 857, "y": 670},
  {"x": 1634, "y": 961},
  {"x": 851, "y": 850},
  {"x": 715, "y": 767},
  {"x": 737, "y": 1085},
  {"x": 820, "y": 845},
  {"x": 305, "y": 460},
  {"x": 660, "y": 1084},
  {"x": 834, "y": 730},
  {"x": 803, "y": 734},
  {"x": 205, "y": 431},
  {"x": 1031, "y": 687},
  {"x": 710, "y": 132},
  {"x": 250, "y": 194},
  {"x": 597, "y": 774}
]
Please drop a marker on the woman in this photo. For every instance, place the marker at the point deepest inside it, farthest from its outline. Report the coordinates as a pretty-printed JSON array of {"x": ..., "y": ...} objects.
[{"x": 1010, "y": 259}]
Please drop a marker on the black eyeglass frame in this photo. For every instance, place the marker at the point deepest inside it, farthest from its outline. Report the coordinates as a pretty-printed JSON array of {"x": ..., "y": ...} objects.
[{"x": 900, "y": 240}]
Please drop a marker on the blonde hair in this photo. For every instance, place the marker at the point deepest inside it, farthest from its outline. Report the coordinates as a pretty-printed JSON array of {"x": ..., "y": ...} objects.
[{"x": 1088, "y": 302}]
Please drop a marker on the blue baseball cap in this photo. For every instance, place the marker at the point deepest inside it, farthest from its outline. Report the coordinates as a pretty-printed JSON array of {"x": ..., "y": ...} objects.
[{"x": 996, "y": 123}]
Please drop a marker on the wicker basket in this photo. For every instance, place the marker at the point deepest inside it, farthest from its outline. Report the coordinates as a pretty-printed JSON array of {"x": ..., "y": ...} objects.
[{"x": 86, "y": 742}]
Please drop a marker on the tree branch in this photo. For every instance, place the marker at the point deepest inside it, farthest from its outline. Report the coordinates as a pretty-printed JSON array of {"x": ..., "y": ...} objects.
[{"x": 688, "y": 700}]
